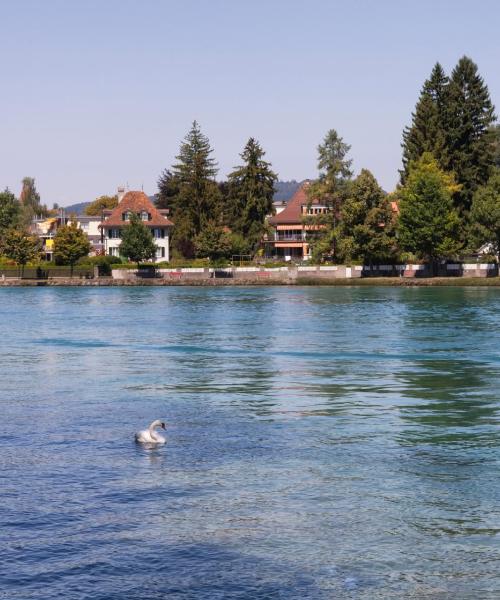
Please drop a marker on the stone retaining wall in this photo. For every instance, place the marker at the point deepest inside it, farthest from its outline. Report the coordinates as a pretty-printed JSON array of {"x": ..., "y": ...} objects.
[
  {"x": 294, "y": 273},
  {"x": 263, "y": 276}
]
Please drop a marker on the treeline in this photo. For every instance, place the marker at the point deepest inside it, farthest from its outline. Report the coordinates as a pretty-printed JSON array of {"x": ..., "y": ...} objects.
[
  {"x": 16, "y": 212},
  {"x": 447, "y": 204},
  {"x": 15, "y": 217},
  {"x": 19, "y": 245},
  {"x": 216, "y": 219}
]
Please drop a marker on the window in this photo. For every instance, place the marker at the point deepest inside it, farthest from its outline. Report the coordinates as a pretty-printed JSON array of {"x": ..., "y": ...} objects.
[
  {"x": 113, "y": 252},
  {"x": 114, "y": 234},
  {"x": 145, "y": 216},
  {"x": 158, "y": 233},
  {"x": 160, "y": 252},
  {"x": 316, "y": 210}
]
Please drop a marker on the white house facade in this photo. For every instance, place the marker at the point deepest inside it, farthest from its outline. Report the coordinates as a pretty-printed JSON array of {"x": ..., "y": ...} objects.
[{"x": 155, "y": 219}]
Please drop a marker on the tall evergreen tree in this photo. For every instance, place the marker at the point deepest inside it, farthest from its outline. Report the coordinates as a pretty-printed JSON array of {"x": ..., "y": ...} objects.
[
  {"x": 333, "y": 165},
  {"x": 191, "y": 191},
  {"x": 469, "y": 136},
  {"x": 495, "y": 142},
  {"x": 250, "y": 193},
  {"x": 168, "y": 191},
  {"x": 427, "y": 133},
  {"x": 331, "y": 188}
]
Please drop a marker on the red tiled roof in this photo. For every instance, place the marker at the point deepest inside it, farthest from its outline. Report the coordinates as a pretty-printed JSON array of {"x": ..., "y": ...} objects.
[
  {"x": 293, "y": 211},
  {"x": 136, "y": 202}
]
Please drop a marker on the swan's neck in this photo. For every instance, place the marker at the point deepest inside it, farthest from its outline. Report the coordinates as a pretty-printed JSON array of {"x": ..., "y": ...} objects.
[{"x": 152, "y": 432}]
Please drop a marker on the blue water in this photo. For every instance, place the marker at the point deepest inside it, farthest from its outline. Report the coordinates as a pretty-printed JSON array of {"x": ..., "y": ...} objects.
[{"x": 322, "y": 443}]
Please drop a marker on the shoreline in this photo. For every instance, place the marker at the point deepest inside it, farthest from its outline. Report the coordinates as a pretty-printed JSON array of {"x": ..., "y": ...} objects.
[{"x": 300, "y": 281}]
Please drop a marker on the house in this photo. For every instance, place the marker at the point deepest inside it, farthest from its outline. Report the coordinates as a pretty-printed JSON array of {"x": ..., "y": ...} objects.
[
  {"x": 289, "y": 239},
  {"x": 46, "y": 229},
  {"x": 155, "y": 219},
  {"x": 91, "y": 225}
]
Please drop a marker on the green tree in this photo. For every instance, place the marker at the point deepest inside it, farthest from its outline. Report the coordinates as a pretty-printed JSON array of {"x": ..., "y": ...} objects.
[
  {"x": 198, "y": 199},
  {"x": 333, "y": 165},
  {"x": 96, "y": 207},
  {"x": 469, "y": 134},
  {"x": 250, "y": 192},
  {"x": 495, "y": 142},
  {"x": 427, "y": 132},
  {"x": 137, "y": 241},
  {"x": 367, "y": 223},
  {"x": 428, "y": 222},
  {"x": 20, "y": 247},
  {"x": 29, "y": 195},
  {"x": 485, "y": 214},
  {"x": 168, "y": 191},
  {"x": 10, "y": 210},
  {"x": 70, "y": 244},
  {"x": 331, "y": 188},
  {"x": 30, "y": 201},
  {"x": 213, "y": 242}
]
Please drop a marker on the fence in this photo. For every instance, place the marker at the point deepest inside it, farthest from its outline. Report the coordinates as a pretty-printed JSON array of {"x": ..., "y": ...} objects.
[{"x": 46, "y": 273}]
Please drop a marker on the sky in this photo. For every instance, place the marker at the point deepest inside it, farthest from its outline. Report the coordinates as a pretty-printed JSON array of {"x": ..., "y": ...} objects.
[{"x": 95, "y": 94}]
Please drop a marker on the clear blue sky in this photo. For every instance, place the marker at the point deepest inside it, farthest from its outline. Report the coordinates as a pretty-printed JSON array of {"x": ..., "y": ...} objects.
[{"x": 98, "y": 93}]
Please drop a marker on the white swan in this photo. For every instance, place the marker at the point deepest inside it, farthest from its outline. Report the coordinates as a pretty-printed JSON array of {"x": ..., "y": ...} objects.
[{"x": 149, "y": 435}]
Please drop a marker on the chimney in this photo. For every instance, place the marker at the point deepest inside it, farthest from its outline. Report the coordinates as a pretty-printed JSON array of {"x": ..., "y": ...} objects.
[{"x": 120, "y": 193}]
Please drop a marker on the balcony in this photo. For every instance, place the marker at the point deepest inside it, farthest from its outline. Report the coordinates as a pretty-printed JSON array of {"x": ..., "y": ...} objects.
[{"x": 290, "y": 237}]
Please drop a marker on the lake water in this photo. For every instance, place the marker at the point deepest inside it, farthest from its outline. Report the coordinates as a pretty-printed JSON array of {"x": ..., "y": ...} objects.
[{"x": 322, "y": 443}]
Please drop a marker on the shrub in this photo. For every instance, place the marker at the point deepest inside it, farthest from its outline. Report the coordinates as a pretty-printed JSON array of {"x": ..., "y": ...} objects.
[{"x": 103, "y": 262}]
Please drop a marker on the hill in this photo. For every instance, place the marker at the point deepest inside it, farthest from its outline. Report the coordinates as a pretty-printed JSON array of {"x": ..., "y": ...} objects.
[
  {"x": 284, "y": 190},
  {"x": 76, "y": 209}
]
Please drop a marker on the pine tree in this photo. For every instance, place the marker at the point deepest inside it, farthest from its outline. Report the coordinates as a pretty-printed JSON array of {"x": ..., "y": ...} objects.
[
  {"x": 495, "y": 141},
  {"x": 168, "y": 191},
  {"x": 331, "y": 188},
  {"x": 250, "y": 193},
  {"x": 469, "y": 134},
  {"x": 427, "y": 132},
  {"x": 333, "y": 165},
  {"x": 191, "y": 191}
]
